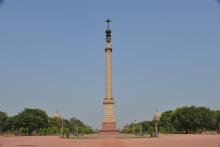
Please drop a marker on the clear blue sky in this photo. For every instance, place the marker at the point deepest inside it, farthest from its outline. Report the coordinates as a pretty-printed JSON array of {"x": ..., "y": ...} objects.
[{"x": 166, "y": 54}]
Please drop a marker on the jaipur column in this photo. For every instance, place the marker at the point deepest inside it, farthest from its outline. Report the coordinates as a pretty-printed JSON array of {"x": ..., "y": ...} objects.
[{"x": 109, "y": 123}]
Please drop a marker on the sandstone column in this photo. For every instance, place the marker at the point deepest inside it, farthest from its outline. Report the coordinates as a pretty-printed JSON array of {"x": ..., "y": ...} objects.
[{"x": 109, "y": 123}]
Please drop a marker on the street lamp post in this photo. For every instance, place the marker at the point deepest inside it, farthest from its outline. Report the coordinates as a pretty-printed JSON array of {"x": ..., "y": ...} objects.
[
  {"x": 156, "y": 120},
  {"x": 62, "y": 132}
]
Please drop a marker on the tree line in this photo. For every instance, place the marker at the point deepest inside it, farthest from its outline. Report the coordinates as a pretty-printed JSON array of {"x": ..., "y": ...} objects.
[
  {"x": 182, "y": 120},
  {"x": 37, "y": 122}
]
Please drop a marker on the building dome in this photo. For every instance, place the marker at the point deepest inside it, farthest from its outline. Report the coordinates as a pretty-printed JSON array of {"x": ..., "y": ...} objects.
[
  {"x": 57, "y": 115},
  {"x": 157, "y": 116}
]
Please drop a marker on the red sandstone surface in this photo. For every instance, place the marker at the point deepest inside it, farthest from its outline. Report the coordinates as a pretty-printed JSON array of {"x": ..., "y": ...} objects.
[{"x": 163, "y": 141}]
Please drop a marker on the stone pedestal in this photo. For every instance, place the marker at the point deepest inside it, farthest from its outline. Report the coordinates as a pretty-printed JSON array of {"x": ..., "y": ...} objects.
[
  {"x": 109, "y": 128},
  {"x": 109, "y": 124}
]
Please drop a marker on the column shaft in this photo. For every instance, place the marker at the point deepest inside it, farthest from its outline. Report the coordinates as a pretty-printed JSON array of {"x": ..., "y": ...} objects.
[{"x": 108, "y": 75}]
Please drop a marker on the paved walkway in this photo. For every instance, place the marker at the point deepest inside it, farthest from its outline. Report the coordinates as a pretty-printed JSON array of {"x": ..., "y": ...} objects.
[{"x": 163, "y": 141}]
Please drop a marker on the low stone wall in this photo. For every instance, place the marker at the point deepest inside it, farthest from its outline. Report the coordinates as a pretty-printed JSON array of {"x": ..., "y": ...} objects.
[
  {"x": 2, "y": 135},
  {"x": 210, "y": 133}
]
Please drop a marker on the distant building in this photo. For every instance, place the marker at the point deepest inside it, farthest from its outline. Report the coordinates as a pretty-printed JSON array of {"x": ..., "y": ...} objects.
[{"x": 57, "y": 115}]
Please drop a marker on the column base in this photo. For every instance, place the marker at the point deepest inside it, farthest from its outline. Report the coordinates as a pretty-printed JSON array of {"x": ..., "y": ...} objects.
[{"x": 109, "y": 128}]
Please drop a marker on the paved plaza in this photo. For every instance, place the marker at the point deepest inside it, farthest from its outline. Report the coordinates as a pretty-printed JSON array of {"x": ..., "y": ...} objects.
[{"x": 163, "y": 141}]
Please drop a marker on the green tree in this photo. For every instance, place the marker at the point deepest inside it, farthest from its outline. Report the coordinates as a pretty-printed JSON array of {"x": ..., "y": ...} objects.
[
  {"x": 183, "y": 119},
  {"x": 3, "y": 120},
  {"x": 193, "y": 119},
  {"x": 32, "y": 119},
  {"x": 146, "y": 125},
  {"x": 138, "y": 128},
  {"x": 75, "y": 124},
  {"x": 66, "y": 132},
  {"x": 151, "y": 131},
  {"x": 55, "y": 122},
  {"x": 166, "y": 118},
  {"x": 66, "y": 123},
  {"x": 10, "y": 123},
  {"x": 217, "y": 116},
  {"x": 166, "y": 122},
  {"x": 204, "y": 119}
]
